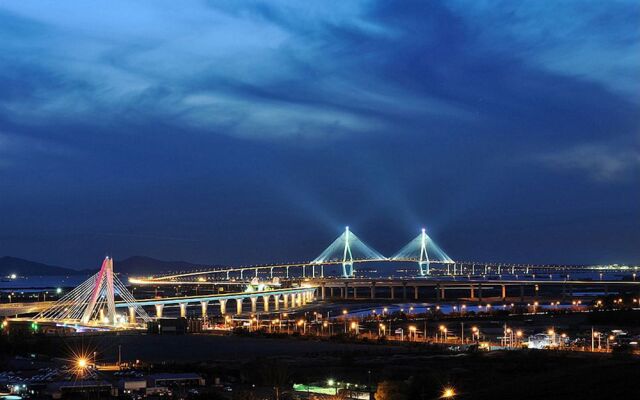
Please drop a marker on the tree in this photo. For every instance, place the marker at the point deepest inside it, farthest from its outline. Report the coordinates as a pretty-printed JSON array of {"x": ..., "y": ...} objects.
[{"x": 391, "y": 390}]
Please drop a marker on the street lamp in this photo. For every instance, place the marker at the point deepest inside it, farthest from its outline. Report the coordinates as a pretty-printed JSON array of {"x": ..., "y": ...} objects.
[
  {"x": 81, "y": 365},
  {"x": 610, "y": 338},
  {"x": 412, "y": 332},
  {"x": 443, "y": 329},
  {"x": 552, "y": 333},
  {"x": 475, "y": 333},
  {"x": 448, "y": 393},
  {"x": 344, "y": 317}
]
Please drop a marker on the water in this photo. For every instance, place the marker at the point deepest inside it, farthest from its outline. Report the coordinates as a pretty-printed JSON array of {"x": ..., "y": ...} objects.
[
  {"x": 39, "y": 283},
  {"x": 445, "y": 308}
]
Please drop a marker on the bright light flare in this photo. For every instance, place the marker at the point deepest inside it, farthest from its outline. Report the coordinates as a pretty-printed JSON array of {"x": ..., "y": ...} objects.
[{"x": 448, "y": 393}]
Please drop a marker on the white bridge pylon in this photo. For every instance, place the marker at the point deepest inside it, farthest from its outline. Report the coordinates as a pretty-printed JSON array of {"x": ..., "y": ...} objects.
[
  {"x": 346, "y": 248},
  {"x": 86, "y": 303},
  {"x": 424, "y": 250}
]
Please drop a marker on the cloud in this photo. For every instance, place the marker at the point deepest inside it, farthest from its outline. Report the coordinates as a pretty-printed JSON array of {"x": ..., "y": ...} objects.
[
  {"x": 602, "y": 163},
  {"x": 275, "y": 72},
  {"x": 598, "y": 41}
]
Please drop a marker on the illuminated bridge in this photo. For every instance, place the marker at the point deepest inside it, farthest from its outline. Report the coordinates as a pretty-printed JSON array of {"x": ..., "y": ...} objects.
[
  {"x": 348, "y": 250},
  {"x": 93, "y": 303}
]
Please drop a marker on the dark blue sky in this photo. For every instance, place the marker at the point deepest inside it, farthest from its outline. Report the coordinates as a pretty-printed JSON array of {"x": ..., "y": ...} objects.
[{"x": 235, "y": 132}]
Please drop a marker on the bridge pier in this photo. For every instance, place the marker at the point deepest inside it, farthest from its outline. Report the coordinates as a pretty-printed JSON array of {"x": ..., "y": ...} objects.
[
  {"x": 442, "y": 293},
  {"x": 223, "y": 307},
  {"x": 521, "y": 293},
  {"x": 416, "y": 293},
  {"x": 285, "y": 301},
  {"x": 132, "y": 315},
  {"x": 204, "y": 305},
  {"x": 404, "y": 291},
  {"x": 355, "y": 292},
  {"x": 438, "y": 293},
  {"x": 183, "y": 310},
  {"x": 373, "y": 290},
  {"x": 254, "y": 304},
  {"x": 479, "y": 291},
  {"x": 472, "y": 291},
  {"x": 276, "y": 302},
  {"x": 239, "y": 306},
  {"x": 504, "y": 292},
  {"x": 159, "y": 308},
  {"x": 571, "y": 291},
  {"x": 265, "y": 302},
  {"x": 392, "y": 289}
]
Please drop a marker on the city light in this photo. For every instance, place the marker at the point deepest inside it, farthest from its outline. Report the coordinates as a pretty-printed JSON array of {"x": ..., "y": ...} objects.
[{"x": 448, "y": 393}]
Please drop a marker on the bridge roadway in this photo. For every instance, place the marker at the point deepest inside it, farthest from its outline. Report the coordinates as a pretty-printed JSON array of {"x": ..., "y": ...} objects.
[
  {"x": 271, "y": 300},
  {"x": 452, "y": 269},
  {"x": 348, "y": 288}
]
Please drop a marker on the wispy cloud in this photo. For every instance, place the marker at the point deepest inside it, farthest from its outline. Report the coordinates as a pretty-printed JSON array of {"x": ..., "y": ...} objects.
[
  {"x": 597, "y": 41},
  {"x": 602, "y": 163}
]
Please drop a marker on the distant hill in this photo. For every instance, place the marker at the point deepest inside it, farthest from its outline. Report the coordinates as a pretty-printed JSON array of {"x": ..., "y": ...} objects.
[
  {"x": 140, "y": 265},
  {"x": 136, "y": 265},
  {"x": 22, "y": 267}
]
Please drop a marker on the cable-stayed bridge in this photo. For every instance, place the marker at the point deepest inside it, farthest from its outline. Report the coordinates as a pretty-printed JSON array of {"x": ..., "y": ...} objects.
[
  {"x": 345, "y": 251},
  {"x": 95, "y": 302},
  {"x": 348, "y": 250}
]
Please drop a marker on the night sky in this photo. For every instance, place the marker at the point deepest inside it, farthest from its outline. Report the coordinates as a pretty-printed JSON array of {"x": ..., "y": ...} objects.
[{"x": 229, "y": 132}]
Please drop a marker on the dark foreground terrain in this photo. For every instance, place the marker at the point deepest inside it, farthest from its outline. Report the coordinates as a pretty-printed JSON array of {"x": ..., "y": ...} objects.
[{"x": 256, "y": 364}]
